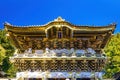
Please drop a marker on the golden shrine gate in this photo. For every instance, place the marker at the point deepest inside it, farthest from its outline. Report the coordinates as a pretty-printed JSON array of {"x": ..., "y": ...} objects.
[{"x": 59, "y": 50}]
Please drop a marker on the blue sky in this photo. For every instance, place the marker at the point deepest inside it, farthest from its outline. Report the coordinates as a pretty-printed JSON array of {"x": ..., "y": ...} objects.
[{"x": 81, "y": 12}]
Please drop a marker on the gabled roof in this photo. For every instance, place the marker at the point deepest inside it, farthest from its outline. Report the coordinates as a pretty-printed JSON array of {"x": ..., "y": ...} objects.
[
  {"x": 78, "y": 30},
  {"x": 57, "y": 22}
]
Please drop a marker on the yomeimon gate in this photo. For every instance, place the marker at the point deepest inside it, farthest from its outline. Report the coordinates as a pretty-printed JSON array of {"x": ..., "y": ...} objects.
[{"x": 59, "y": 50}]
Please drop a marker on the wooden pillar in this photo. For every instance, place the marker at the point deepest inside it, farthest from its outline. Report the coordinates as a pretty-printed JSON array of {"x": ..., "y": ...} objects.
[
  {"x": 51, "y": 32},
  {"x": 71, "y": 33},
  {"x": 46, "y": 34},
  {"x": 57, "y": 32},
  {"x": 67, "y": 33}
]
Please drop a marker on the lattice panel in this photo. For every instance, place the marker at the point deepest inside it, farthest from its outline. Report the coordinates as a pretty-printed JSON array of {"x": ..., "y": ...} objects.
[
  {"x": 56, "y": 67},
  {"x": 91, "y": 65},
  {"x": 27, "y": 65},
  {"x": 75, "y": 67},
  {"x": 35, "y": 65},
  {"x": 68, "y": 65},
  {"x": 65, "y": 67},
  {"x": 38, "y": 64},
  {"x": 48, "y": 65},
  {"x": 72, "y": 67},
  {"x": 32, "y": 66},
  {"x": 23, "y": 67},
  {"x": 17, "y": 63},
  {"x": 80, "y": 65},
  {"x": 101, "y": 64},
  {"x": 53, "y": 66},
  {"x": 43, "y": 66},
  {"x": 60, "y": 65}
]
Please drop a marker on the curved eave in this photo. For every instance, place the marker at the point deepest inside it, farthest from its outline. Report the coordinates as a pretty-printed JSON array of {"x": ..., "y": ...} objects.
[
  {"x": 97, "y": 28},
  {"x": 37, "y": 28},
  {"x": 24, "y": 29}
]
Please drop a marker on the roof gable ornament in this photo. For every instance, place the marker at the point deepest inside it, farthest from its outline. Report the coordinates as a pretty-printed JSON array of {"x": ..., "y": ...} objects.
[
  {"x": 6, "y": 23},
  {"x": 59, "y": 19}
]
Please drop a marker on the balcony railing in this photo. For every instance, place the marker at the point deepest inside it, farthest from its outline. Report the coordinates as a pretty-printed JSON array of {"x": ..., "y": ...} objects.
[{"x": 62, "y": 55}]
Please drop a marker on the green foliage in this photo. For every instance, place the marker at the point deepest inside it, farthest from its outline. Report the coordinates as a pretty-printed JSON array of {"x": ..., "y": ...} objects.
[
  {"x": 8, "y": 67},
  {"x": 6, "y": 50},
  {"x": 113, "y": 52},
  {"x": 6, "y": 64},
  {"x": 12, "y": 70},
  {"x": 2, "y": 54},
  {"x": 5, "y": 43}
]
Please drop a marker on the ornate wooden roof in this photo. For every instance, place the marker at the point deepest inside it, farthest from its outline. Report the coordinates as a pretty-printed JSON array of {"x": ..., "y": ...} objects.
[{"x": 77, "y": 31}]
